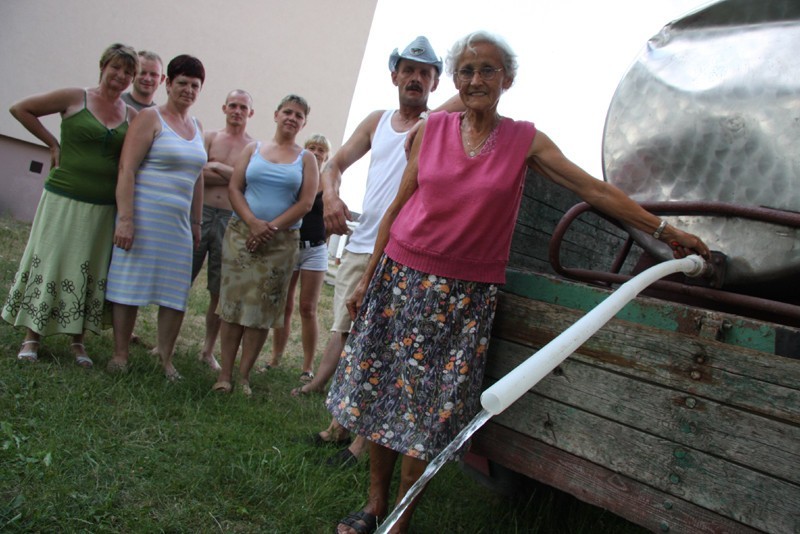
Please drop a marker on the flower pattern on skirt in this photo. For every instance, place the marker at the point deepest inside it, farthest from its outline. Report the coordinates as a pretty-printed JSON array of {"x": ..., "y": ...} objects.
[
  {"x": 60, "y": 285},
  {"x": 65, "y": 303},
  {"x": 254, "y": 285},
  {"x": 410, "y": 375}
]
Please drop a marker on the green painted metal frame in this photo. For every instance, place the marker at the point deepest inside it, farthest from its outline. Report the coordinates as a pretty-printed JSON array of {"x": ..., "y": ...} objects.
[{"x": 664, "y": 315}]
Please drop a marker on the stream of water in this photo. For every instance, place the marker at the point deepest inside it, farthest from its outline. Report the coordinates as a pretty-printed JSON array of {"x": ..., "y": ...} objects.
[{"x": 433, "y": 468}]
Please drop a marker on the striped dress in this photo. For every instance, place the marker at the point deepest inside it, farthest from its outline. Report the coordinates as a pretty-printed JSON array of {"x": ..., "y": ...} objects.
[{"x": 158, "y": 267}]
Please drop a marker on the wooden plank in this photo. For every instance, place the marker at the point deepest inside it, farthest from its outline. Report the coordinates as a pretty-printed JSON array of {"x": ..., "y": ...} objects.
[
  {"x": 758, "y": 442},
  {"x": 529, "y": 250},
  {"x": 740, "y": 377},
  {"x": 636, "y": 502},
  {"x": 591, "y": 242},
  {"x": 726, "y": 488}
]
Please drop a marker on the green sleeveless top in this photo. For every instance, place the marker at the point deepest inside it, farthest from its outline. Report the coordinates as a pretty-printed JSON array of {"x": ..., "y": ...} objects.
[{"x": 87, "y": 170}]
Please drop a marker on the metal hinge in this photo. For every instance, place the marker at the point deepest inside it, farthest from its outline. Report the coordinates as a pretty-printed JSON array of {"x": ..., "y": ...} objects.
[{"x": 711, "y": 326}]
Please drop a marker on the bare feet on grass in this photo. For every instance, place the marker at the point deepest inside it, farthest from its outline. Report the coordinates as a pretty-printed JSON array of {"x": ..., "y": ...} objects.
[
  {"x": 210, "y": 360},
  {"x": 305, "y": 389}
]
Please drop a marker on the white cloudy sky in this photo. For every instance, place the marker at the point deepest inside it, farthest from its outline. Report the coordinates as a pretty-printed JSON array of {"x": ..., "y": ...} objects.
[{"x": 572, "y": 54}]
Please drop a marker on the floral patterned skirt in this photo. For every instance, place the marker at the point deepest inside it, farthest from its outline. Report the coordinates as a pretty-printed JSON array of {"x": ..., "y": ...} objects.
[
  {"x": 410, "y": 375},
  {"x": 254, "y": 285},
  {"x": 60, "y": 285}
]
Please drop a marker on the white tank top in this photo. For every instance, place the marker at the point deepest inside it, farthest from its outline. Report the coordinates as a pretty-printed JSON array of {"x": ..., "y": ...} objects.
[{"x": 386, "y": 166}]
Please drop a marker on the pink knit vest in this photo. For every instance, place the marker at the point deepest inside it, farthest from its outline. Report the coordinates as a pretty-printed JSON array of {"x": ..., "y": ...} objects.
[{"x": 460, "y": 220}]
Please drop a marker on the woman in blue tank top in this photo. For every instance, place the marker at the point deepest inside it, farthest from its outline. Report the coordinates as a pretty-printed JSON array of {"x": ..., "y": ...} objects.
[
  {"x": 272, "y": 188},
  {"x": 309, "y": 272}
]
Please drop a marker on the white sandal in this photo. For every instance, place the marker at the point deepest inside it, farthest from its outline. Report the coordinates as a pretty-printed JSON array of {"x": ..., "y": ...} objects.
[
  {"x": 82, "y": 359},
  {"x": 30, "y": 355}
]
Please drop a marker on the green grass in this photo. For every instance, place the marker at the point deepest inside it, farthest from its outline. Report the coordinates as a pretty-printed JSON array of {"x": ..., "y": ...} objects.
[{"x": 85, "y": 451}]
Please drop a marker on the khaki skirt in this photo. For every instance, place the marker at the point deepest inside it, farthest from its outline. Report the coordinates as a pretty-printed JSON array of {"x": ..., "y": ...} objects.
[{"x": 254, "y": 284}]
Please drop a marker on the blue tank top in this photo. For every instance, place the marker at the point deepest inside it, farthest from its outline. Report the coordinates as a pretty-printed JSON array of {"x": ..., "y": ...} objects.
[{"x": 271, "y": 188}]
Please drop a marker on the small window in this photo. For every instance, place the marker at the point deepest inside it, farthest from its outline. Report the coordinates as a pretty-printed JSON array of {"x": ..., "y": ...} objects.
[{"x": 36, "y": 166}]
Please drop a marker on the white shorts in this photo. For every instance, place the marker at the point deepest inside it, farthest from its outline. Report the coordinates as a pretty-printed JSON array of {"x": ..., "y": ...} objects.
[{"x": 313, "y": 259}]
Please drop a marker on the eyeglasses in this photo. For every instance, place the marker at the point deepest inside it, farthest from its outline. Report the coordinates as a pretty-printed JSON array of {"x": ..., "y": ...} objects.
[{"x": 485, "y": 73}]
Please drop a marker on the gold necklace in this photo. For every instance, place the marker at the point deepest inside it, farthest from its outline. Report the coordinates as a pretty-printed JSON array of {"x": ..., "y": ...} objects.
[{"x": 472, "y": 151}]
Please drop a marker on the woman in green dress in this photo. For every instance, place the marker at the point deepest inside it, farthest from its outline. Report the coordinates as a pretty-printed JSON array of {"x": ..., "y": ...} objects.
[{"x": 59, "y": 287}]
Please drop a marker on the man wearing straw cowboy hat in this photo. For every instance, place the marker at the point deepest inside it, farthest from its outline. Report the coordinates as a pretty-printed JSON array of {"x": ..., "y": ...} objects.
[{"x": 415, "y": 72}]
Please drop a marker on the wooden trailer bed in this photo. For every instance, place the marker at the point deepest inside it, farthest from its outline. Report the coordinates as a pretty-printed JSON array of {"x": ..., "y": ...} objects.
[{"x": 676, "y": 417}]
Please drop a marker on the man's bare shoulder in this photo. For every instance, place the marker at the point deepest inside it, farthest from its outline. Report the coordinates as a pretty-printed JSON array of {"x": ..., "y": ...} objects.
[
  {"x": 367, "y": 127},
  {"x": 217, "y": 135},
  {"x": 372, "y": 120},
  {"x": 208, "y": 137},
  {"x": 359, "y": 143},
  {"x": 224, "y": 137},
  {"x": 224, "y": 147}
]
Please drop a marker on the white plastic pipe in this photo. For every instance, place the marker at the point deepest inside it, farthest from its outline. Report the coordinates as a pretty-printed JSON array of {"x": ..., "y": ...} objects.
[{"x": 512, "y": 386}]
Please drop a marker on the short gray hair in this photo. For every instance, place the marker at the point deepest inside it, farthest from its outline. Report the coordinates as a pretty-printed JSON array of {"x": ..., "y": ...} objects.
[{"x": 468, "y": 42}]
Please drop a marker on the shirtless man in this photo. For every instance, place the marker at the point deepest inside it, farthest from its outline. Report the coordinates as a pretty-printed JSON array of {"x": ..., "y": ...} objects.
[
  {"x": 145, "y": 84},
  {"x": 222, "y": 146}
]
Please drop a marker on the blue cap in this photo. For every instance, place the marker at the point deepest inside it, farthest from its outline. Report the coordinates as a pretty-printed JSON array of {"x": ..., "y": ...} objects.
[{"x": 419, "y": 50}]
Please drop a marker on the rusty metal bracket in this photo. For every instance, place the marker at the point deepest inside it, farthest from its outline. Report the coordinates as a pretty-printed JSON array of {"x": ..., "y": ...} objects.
[
  {"x": 711, "y": 326},
  {"x": 679, "y": 208}
]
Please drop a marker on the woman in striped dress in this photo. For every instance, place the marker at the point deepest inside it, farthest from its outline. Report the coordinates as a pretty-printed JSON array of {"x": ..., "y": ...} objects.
[{"x": 159, "y": 203}]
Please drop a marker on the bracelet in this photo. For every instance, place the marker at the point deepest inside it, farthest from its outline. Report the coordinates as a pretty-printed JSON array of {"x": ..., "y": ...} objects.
[
  {"x": 423, "y": 116},
  {"x": 660, "y": 230},
  {"x": 198, "y": 223}
]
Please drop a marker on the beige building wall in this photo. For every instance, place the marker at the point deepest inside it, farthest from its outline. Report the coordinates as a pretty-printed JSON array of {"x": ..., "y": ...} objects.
[{"x": 313, "y": 48}]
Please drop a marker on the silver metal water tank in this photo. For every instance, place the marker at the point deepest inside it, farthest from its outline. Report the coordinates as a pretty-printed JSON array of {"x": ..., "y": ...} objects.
[{"x": 710, "y": 111}]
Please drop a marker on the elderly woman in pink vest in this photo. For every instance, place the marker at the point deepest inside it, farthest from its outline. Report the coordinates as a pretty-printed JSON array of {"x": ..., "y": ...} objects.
[{"x": 410, "y": 377}]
